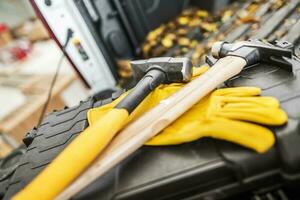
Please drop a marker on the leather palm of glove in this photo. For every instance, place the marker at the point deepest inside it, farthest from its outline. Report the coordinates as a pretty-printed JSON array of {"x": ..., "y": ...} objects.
[{"x": 231, "y": 114}]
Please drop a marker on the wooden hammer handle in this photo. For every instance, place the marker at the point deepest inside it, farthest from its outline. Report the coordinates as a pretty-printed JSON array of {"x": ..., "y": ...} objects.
[{"x": 155, "y": 120}]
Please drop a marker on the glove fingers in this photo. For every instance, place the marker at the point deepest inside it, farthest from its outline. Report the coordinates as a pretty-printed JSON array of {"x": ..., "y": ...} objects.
[
  {"x": 249, "y": 135},
  {"x": 246, "y": 101},
  {"x": 266, "y": 116},
  {"x": 219, "y": 103},
  {"x": 238, "y": 91},
  {"x": 263, "y": 110},
  {"x": 246, "y": 134}
]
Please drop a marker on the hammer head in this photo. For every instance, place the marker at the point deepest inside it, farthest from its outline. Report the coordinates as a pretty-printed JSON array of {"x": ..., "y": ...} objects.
[
  {"x": 254, "y": 51},
  {"x": 176, "y": 69}
]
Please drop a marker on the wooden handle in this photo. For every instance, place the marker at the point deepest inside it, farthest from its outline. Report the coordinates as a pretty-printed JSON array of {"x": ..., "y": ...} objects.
[{"x": 155, "y": 120}]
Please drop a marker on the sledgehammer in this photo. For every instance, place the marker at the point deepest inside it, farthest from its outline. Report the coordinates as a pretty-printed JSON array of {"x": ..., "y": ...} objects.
[
  {"x": 87, "y": 146},
  {"x": 232, "y": 59}
]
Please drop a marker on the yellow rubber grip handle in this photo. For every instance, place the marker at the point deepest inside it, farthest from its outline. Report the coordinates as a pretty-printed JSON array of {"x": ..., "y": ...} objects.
[{"x": 75, "y": 158}]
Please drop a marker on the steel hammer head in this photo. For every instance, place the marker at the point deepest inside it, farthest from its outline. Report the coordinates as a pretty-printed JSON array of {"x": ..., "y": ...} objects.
[
  {"x": 176, "y": 69},
  {"x": 254, "y": 51}
]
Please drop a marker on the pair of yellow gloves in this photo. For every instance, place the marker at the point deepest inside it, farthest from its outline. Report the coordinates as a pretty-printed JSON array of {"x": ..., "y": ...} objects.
[{"x": 232, "y": 114}]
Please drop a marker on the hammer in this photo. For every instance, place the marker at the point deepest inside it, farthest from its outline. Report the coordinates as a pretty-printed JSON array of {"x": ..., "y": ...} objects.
[
  {"x": 85, "y": 148},
  {"x": 232, "y": 58}
]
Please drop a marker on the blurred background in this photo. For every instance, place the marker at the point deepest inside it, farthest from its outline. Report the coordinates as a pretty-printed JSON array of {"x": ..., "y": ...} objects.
[{"x": 29, "y": 58}]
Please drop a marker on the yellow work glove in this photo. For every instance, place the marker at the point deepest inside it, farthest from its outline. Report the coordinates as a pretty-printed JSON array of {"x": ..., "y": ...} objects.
[
  {"x": 227, "y": 114},
  {"x": 224, "y": 114}
]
